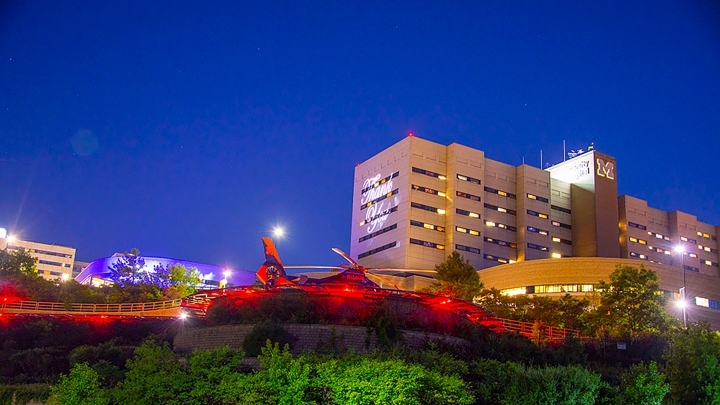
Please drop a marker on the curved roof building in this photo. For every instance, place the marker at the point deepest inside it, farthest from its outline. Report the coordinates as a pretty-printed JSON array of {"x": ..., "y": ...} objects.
[{"x": 99, "y": 270}]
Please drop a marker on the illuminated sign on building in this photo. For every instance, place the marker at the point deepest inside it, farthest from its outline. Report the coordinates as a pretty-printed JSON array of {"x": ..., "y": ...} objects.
[
  {"x": 605, "y": 169},
  {"x": 374, "y": 189}
]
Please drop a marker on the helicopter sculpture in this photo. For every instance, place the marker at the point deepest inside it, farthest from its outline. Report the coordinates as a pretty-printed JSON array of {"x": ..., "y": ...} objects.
[
  {"x": 351, "y": 277},
  {"x": 352, "y": 282}
]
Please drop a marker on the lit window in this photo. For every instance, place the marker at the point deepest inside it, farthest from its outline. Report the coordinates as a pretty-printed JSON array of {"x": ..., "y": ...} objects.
[
  {"x": 441, "y": 177},
  {"x": 461, "y": 177},
  {"x": 475, "y": 233},
  {"x": 633, "y": 239},
  {"x": 463, "y": 230},
  {"x": 441, "y": 194},
  {"x": 441, "y": 211},
  {"x": 474, "y": 215},
  {"x": 556, "y": 255},
  {"x": 489, "y": 223}
]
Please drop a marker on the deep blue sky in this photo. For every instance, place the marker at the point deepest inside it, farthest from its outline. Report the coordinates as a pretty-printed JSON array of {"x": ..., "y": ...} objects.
[{"x": 190, "y": 129}]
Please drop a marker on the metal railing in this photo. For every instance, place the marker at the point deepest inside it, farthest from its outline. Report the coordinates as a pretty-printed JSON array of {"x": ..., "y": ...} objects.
[
  {"x": 60, "y": 307},
  {"x": 538, "y": 330}
]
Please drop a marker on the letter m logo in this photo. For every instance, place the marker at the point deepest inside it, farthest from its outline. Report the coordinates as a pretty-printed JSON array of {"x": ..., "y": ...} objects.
[{"x": 605, "y": 169}]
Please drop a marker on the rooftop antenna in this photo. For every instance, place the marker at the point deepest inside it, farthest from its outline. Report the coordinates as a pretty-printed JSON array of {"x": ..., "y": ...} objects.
[
  {"x": 564, "y": 154},
  {"x": 541, "y": 158}
]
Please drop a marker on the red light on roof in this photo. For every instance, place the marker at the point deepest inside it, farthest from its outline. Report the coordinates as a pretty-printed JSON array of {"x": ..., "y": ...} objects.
[{"x": 410, "y": 134}]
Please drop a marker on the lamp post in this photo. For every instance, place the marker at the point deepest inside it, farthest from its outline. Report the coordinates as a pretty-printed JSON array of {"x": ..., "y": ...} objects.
[{"x": 681, "y": 250}]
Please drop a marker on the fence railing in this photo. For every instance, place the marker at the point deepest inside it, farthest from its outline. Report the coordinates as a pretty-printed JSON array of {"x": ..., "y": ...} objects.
[
  {"x": 61, "y": 307},
  {"x": 538, "y": 330}
]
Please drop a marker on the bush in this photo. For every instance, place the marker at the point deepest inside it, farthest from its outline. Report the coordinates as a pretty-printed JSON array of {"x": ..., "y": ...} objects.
[{"x": 258, "y": 337}]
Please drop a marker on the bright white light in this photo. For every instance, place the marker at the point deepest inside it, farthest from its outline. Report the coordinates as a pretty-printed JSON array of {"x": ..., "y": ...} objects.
[
  {"x": 65, "y": 276},
  {"x": 226, "y": 273},
  {"x": 183, "y": 316},
  {"x": 679, "y": 249},
  {"x": 3, "y": 233},
  {"x": 680, "y": 303},
  {"x": 278, "y": 232},
  {"x": 11, "y": 238}
]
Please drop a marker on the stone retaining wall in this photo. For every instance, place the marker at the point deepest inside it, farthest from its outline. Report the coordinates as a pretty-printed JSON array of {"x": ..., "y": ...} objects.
[{"x": 308, "y": 338}]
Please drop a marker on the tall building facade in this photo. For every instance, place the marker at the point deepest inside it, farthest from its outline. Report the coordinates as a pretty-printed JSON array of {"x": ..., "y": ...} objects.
[
  {"x": 53, "y": 261},
  {"x": 416, "y": 201}
]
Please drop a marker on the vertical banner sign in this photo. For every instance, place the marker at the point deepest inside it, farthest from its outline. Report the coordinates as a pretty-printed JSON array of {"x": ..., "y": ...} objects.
[{"x": 376, "y": 199}]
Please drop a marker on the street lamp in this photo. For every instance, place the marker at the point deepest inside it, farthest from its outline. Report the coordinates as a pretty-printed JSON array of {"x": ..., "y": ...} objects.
[
  {"x": 681, "y": 250},
  {"x": 278, "y": 232}
]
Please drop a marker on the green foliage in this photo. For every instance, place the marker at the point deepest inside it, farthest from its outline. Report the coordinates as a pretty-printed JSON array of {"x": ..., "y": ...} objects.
[
  {"x": 181, "y": 282},
  {"x": 24, "y": 394},
  {"x": 255, "y": 341},
  {"x": 692, "y": 367},
  {"x": 643, "y": 385},
  {"x": 513, "y": 384},
  {"x": 81, "y": 387},
  {"x": 368, "y": 381},
  {"x": 456, "y": 278},
  {"x": 630, "y": 305},
  {"x": 282, "y": 381},
  {"x": 16, "y": 263},
  {"x": 565, "y": 311},
  {"x": 154, "y": 376}
]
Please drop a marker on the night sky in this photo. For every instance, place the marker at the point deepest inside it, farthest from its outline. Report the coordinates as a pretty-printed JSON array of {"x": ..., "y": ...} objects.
[{"x": 190, "y": 129}]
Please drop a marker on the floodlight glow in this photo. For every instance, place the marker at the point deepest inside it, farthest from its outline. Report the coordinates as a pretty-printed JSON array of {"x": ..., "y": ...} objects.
[
  {"x": 681, "y": 304},
  {"x": 183, "y": 316},
  {"x": 226, "y": 273},
  {"x": 679, "y": 249},
  {"x": 278, "y": 232},
  {"x": 11, "y": 238},
  {"x": 65, "y": 277}
]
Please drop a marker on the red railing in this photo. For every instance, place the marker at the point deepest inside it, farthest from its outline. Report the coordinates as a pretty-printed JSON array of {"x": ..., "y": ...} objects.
[
  {"x": 538, "y": 331},
  {"x": 59, "y": 307}
]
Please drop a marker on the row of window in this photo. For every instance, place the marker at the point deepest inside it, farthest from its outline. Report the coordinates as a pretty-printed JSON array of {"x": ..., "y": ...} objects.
[
  {"x": 467, "y": 213},
  {"x": 428, "y": 190},
  {"x": 537, "y": 214},
  {"x": 377, "y": 250},
  {"x": 427, "y": 226},
  {"x": 707, "y": 249},
  {"x": 500, "y": 242},
  {"x": 561, "y": 209},
  {"x": 376, "y": 233},
  {"x": 538, "y": 198},
  {"x": 427, "y": 208},
  {"x": 500, "y": 209},
  {"x": 538, "y": 230},
  {"x": 684, "y": 239},
  {"x": 379, "y": 215},
  {"x": 500, "y": 193},
  {"x": 538, "y": 247},
  {"x": 429, "y": 173},
  {"x": 40, "y": 251},
  {"x": 49, "y": 263},
  {"x": 705, "y": 235},
  {"x": 469, "y": 231},
  {"x": 560, "y": 224},
  {"x": 501, "y": 226},
  {"x": 708, "y": 263},
  {"x": 468, "y": 196},
  {"x": 468, "y": 178},
  {"x": 658, "y": 235},
  {"x": 467, "y": 249},
  {"x": 498, "y": 259},
  {"x": 638, "y": 226},
  {"x": 377, "y": 200},
  {"x": 560, "y": 240},
  {"x": 380, "y": 182},
  {"x": 427, "y": 244},
  {"x": 546, "y": 289}
]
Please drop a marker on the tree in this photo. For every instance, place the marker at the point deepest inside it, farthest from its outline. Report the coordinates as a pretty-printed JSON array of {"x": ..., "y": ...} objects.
[
  {"x": 630, "y": 305},
  {"x": 176, "y": 281},
  {"x": 128, "y": 269},
  {"x": 81, "y": 387},
  {"x": 692, "y": 367},
  {"x": 456, "y": 278},
  {"x": 16, "y": 263}
]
